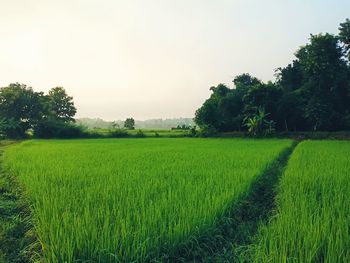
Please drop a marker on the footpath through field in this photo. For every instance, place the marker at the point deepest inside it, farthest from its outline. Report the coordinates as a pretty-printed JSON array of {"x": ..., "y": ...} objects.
[{"x": 229, "y": 239}]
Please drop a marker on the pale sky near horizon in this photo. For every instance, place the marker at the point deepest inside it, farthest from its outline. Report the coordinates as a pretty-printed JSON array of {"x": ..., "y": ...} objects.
[{"x": 152, "y": 58}]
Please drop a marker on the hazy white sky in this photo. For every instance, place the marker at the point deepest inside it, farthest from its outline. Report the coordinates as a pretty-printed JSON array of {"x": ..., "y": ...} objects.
[{"x": 152, "y": 58}]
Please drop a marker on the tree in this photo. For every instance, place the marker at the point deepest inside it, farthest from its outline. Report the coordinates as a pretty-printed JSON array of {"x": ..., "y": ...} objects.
[
  {"x": 290, "y": 106},
  {"x": 324, "y": 83},
  {"x": 311, "y": 93},
  {"x": 115, "y": 125},
  {"x": 208, "y": 115},
  {"x": 61, "y": 105},
  {"x": 8, "y": 127},
  {"x": 344, "y": 36},
  {"x": 20, "y": 109},
  {"x": 245, "y": 81},
  {"x": 224, "y": 110},
  {"x": 129, "y": 124},
  {"x": 262, "y": 96}
]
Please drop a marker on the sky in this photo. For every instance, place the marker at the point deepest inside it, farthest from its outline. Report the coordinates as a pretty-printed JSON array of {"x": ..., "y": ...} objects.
[{"x": 152, "y": 58}]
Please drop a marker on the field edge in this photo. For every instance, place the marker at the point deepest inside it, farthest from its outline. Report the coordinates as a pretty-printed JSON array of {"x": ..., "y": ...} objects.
[{"x": 18, "y": 241}]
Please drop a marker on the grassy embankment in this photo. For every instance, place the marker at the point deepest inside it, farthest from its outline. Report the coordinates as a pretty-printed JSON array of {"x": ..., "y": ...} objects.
[{"x": 17, "y": 236}]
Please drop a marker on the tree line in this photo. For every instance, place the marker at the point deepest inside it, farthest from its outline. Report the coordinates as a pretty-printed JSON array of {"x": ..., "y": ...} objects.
[
  {"x": 312, "y": 93},
  {"x": 23, "y": 111}
]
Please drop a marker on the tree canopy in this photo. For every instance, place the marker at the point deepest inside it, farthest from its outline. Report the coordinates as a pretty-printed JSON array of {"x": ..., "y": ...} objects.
[
  {"x": 311, "y": 93},
  {"x": 129, "y": 124},
  {"x": 22, "y": 109},
  {"x": 61, "y": 105}
]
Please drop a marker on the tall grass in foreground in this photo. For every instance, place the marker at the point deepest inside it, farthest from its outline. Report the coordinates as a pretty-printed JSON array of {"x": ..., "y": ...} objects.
[
  {"x": 132, "y": 199},
  {"x": 312, "y": 221}
]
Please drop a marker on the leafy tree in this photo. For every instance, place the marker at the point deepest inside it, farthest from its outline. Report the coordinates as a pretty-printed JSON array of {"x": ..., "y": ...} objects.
[
  {"x": 245, "y": 81},
  {"x": 209, "y": 114},
  {"x": 344, "y": 36},
  {"x": 129, "y": 124},
  {"x": 262, "y": 96},
  {"x": 290, "y": 106},
  {"x": 8, "y": 127},
  {"x": 20, "y": 108},
  {"x": 223, "y": 110},
  {"x": 61, "y": 105},
  {"x": 311, "y": 93},
  {"x": 325, "y": 82}
]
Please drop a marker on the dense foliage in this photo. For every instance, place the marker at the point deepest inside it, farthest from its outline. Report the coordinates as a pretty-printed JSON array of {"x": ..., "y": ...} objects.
[
  {"x": 23, "y": 110},
  {"x": 132, "y": 200},
  {"x": 311, "y": 93}
]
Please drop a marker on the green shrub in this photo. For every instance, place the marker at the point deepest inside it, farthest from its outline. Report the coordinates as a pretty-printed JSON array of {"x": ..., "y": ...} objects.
[
  {"x": 119, "y": 133},
  {"x": 140, "y": 134},
  {"x": 58, "y": 129},
  {"x": 207, "y": 131}
]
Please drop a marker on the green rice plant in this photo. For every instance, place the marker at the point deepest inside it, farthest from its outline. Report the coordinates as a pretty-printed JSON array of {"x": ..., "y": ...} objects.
[
  {"x": 132, "y": 200},
  {"x": 313, "y": 207}
]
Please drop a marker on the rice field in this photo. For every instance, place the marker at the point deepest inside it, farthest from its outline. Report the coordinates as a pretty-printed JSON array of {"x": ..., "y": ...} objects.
[
  {"x": 130, "y": 200},
  {"x": 312, "y": 221}
]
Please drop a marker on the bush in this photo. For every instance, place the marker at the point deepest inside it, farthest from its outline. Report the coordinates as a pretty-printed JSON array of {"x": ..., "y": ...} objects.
[
  {"x": 207, "y": 131},
  {"x": 58, "y": 129},
  {"x": 193, "y": 131},
  {"x": 119, "y": 133},
  {"x": 140, "y": 134}
]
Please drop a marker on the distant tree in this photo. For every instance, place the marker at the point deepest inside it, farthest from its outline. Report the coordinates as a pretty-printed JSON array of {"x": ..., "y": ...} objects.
[
  {"x": 61, "y": 105},
  {"x": 115, "y": 125},
  {"x": 129, "y": 124}
]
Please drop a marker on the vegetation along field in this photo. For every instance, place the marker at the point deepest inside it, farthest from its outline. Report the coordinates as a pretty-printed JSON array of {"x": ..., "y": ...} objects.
[
  {"x": 132, "y": 200},
  {"x": 313, "y": 213}
]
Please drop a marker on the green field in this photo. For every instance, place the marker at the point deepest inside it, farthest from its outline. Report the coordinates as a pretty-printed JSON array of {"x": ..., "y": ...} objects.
[
  {"x": 312, "y": 221},
  {"x": 130, "y": 200}
]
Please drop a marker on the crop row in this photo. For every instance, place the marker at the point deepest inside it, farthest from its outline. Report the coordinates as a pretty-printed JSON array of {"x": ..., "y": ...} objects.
[{"x": 312, "y": 220}]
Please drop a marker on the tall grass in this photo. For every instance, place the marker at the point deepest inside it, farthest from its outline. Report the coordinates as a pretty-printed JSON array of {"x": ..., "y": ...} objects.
[
  {"x": 131, "y": 200},
  {"x": 313, "y": 216}
]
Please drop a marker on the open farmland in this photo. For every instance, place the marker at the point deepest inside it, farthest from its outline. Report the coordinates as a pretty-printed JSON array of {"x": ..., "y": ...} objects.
[
  {"x": 132, "y": 199},
  {"x": 313, "y": 214}
]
